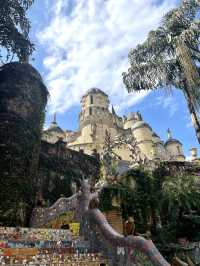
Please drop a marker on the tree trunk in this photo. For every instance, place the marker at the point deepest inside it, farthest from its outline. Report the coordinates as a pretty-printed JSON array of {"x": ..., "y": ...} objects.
[
  {"x": 194, "y": 116},
  {"x": 192, "y": 83}
]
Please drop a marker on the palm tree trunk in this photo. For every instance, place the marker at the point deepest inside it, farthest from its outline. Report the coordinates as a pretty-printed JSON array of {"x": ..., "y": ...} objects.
[
  {"x": 194, "y": 116},
  {"x": 191, "y": 83}
]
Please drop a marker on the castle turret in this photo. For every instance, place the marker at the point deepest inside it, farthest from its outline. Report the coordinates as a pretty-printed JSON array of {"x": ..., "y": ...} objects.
[
  {"x": 94, "y": 105},
  {"x": 95, "y": 118},
  {"x": 130, "y": 120},
  {"x": 194, "y": 154},
  {"x": 144, "y": 136},
  {"x": 54, "y": 132},
  {"x": 174, "y": 148},
  {"x": 159, "y": 149}
]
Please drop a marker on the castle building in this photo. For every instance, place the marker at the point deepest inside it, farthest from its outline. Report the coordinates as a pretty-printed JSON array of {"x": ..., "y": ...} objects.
[{"x": 95, "y": 119}]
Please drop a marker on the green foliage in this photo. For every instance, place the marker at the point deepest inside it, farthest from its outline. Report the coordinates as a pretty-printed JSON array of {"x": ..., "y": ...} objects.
[
  {"x": 183, "y": 190},
  {"x": 22, "y": 104},
  {"x": 61, "y": 187},
  {"x": 168, "y": 205},
  {"x": 144, "y": 197},
  {"x": 108, "y": 193},
  {"x": 55, "y": 178},
  {"x": 14, "y": 29}
]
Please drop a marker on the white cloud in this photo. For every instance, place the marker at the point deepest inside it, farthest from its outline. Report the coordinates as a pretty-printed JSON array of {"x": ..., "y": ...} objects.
[
  {"x": 168, "y": 102},
  {"x": 87, "y": 43}
]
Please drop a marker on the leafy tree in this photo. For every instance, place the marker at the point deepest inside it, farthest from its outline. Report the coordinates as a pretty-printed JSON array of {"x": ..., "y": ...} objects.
[
  {"x": 168, "y": 203},
  {"x": 170, "y": 57},
  {"x": 14, "y": 29},
  {"x": 143, "y": 195},
  {"x": 183, "y": 190}
]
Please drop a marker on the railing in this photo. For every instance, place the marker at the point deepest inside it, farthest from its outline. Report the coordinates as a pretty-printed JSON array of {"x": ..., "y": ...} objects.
[{"x": 42, "y": 216}]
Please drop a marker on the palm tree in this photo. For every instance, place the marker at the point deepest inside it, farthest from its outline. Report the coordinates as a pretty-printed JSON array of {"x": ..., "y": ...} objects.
[{"x": 169, "y": 57}]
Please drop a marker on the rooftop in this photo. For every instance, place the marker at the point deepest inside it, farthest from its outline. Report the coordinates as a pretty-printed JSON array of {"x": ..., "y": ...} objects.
[{"x": 93, "y": 91}]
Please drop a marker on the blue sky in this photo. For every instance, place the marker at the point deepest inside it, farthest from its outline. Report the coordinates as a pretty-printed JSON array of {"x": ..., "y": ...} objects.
[{"x": 84, "y": 43}]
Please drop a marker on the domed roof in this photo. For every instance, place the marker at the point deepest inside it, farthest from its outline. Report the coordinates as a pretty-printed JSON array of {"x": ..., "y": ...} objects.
[
  {"x": 155, "y": 135},
  {"x": 157, "y": 139},
  {"x": 140, "y": 124},
  {"x": 172, "y": 141},
  {"x": 54, "y": 128}
]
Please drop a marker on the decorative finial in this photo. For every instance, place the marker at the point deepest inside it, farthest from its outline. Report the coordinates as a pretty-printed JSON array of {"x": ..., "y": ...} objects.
[
  {"x": 54, "y": 118},
  {"x": 169, "y": 133}
]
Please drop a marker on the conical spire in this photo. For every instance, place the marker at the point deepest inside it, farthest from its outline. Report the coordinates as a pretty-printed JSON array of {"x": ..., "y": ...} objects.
[
  {"x": 138, "y": 116},
  {"x": 113, "y": 111}
]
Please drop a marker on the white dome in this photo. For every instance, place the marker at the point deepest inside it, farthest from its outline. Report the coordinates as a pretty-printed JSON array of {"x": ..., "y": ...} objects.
[
  {"x": 172, "y": 141},
  {"x": 140, "y": 124}
]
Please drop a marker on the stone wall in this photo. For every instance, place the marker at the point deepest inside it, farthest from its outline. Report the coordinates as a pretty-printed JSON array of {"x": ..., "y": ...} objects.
[
  {"x": 22, "y": 103},
  {"x": 59, "y": 166}
]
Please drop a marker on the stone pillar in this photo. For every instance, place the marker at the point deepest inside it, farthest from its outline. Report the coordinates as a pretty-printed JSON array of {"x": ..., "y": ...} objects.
[{"x": 23, "y": 98}]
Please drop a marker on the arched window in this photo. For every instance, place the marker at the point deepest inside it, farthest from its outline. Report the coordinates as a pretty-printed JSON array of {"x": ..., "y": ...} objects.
[
  {"x": 91, "y": 99},
  {"x": 90, "y": 111}
]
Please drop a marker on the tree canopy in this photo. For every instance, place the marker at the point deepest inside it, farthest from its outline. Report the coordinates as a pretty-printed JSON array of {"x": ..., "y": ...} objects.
[
  {"x": 170, "y": 56},
  {"x": 14, "y": 29},
  {"x": 154, "y": 63}
]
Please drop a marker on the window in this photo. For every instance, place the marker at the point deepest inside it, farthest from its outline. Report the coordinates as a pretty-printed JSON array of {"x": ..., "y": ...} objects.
[
  {"x": 179, "y": 150},
  {"x": 90, "y": 111},
  {"x": 91, "y": 99}
]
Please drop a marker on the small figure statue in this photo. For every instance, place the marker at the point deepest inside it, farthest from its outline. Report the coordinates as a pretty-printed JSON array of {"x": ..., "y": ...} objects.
[{"x": 129, "y": 226}]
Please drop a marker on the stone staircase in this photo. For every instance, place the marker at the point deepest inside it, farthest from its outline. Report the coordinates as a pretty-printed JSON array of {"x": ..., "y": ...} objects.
[
  {"x": 114, "y": 218},
  {"x": 45, "y": 247},
  {"x": 42, "y": 216}
]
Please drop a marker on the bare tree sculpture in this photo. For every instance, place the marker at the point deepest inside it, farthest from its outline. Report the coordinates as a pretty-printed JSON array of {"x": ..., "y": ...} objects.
[{"x": 136, "y": 156}]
